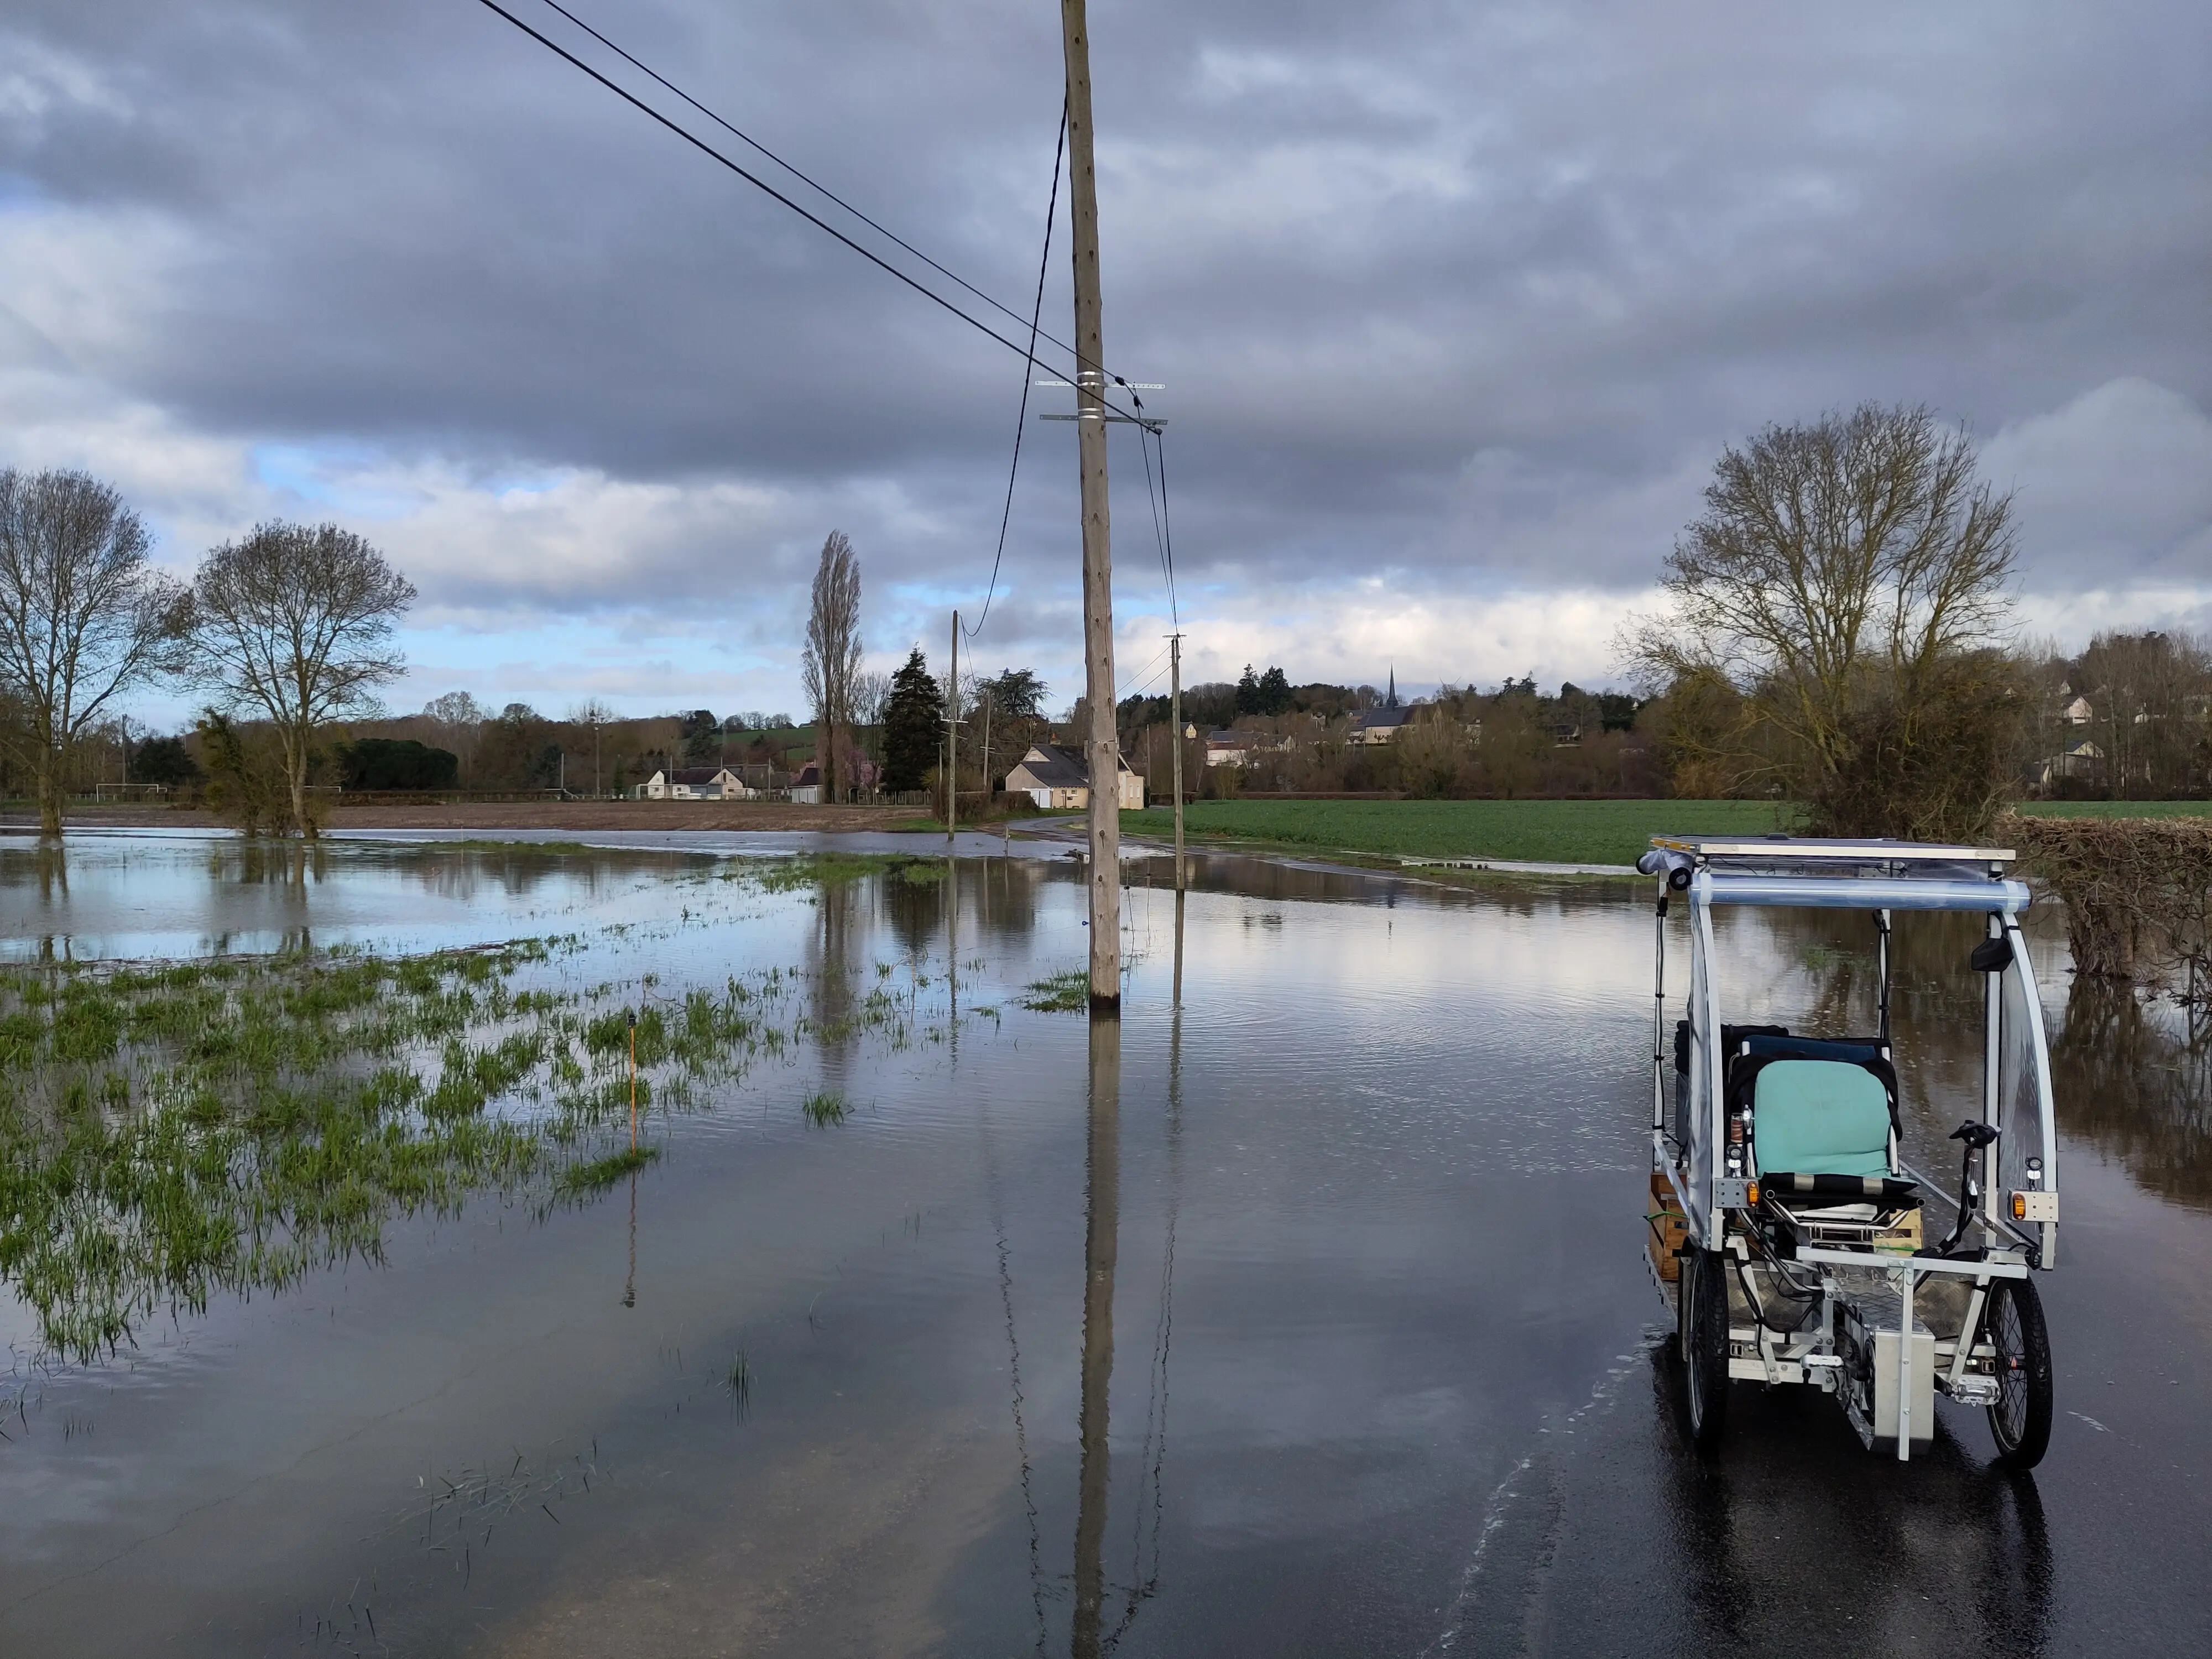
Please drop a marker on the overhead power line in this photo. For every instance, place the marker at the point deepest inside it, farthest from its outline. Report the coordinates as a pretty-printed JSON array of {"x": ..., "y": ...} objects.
[
  {"x": 1027, "y": 353},
  {"x": 1005, "y": 517},
  {"x": 815, "y": 185}
]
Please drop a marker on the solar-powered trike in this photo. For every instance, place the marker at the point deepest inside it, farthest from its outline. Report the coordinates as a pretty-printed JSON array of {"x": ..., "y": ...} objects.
[{"x": 1786, "y": 1225}]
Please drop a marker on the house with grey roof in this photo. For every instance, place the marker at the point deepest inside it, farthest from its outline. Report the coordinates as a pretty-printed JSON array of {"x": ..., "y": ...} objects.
[{"x": 1059, "y": 780}]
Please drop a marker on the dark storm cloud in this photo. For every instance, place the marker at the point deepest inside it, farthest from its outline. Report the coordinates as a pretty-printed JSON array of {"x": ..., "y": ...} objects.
[{"x": 1477, "y": 292}]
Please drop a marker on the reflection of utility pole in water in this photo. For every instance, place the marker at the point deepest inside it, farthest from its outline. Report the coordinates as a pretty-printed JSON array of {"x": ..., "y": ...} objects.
[
  {"x": 1178, "y": 970},
  {"x": 1102, "y": 1229},
  {"x": 630, "y": 1284}
]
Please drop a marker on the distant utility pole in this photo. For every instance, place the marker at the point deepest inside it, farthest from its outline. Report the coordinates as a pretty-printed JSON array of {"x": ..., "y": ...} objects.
[
  {"x": 1104, "y": 748},
  {"x": 1174, "y": 731},
  {"x": 952, "y": 734}
]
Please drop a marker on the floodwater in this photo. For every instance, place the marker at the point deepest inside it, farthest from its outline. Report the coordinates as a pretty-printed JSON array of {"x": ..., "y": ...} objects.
[{"x": 1309, "y": 1316}]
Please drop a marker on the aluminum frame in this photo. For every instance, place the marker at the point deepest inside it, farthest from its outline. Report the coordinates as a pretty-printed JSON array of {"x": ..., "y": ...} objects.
[{"x": 1715, "y": 871}]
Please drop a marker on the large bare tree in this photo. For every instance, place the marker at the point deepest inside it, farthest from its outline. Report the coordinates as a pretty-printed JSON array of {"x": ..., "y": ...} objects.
[
  {"x": 294, "y": 624},
  {"x": 1844, "y": 599},
  {"x": 83, "y": 617},
  {"x": 831, "y": 662}
]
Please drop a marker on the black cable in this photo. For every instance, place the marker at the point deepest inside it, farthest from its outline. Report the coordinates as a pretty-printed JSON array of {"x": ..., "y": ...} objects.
[
  {"x": 1166, "y": 527},
  {"x": 1021, "y": 420},
  {"x": 1152, "y": 501},
  {"x": 761, "y": 185},
  {"x": 812, "y": 184}
]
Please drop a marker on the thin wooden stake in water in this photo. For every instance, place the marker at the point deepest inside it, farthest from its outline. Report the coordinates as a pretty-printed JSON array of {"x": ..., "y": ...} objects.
[{"x": 632, "y": 1079}]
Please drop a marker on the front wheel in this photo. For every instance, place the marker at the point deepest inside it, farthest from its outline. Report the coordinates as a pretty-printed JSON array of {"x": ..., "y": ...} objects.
[
  {"x": 1702, "y": 1297},
  {"x": 2019, "y": 1419}
]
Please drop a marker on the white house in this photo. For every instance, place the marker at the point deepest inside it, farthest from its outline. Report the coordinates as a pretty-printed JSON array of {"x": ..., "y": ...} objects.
[
  {"x": 1225, "y": 748},
  {"x": 695, "y": 783},
  {"x": 807, "y": 784},
  {"x": 1057, "y": 780}
]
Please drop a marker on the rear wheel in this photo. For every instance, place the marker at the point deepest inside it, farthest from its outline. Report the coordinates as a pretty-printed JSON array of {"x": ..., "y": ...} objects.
[
  {"x": 2020, "y": 1420},
  {"x": 1702, "y": 1299}
]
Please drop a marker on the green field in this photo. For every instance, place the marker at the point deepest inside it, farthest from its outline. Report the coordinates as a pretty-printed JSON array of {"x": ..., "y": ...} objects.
[
  {"x": 1548, "y": 831},
  {"x": 2116, "y": 809}
]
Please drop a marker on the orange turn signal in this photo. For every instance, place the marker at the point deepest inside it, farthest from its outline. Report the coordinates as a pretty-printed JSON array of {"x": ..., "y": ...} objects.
[
  {"x": 2019, "y": 1206},
  {"x": 1751, "y": 1194}
]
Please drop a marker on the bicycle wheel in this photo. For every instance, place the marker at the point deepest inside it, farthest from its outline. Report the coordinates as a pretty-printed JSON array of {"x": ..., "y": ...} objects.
[
  {"x": 2019, "y": 1419},
  {"x": 1703, "y": 1293}
]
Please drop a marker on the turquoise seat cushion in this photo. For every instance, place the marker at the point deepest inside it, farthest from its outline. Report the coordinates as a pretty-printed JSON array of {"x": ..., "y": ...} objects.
[{"x": 1820, "y": 1117}]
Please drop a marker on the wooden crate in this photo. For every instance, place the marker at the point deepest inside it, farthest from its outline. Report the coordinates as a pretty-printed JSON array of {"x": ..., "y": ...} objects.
[{"x": 1667, "y": 1228}]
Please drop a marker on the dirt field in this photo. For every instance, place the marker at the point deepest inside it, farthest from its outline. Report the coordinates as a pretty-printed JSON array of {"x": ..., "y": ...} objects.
[{"x": 523, "y": 815}]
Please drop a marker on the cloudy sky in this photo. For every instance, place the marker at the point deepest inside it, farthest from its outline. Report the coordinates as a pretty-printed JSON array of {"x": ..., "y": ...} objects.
[{"x": 1455, "y": 306}]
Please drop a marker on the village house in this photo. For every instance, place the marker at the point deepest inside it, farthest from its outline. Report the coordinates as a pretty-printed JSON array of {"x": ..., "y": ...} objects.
[
  {"x": 807, "y": 784},
  {"x": 1057, "y": 780},
  {"x": 1235, "y": 747},
  {"x": 695, "y": 783}
]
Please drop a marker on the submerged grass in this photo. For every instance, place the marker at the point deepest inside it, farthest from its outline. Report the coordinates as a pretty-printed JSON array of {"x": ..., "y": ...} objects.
[
  {"x": 169, "y": 1133},
  {"x": 172, "y": 1131},
  {"x": 805, "y": 869}
]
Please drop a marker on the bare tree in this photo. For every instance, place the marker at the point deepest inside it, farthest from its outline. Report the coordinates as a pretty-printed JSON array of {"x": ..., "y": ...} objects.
[
  {"x": 460, "y": 719},
  {"x": 83, "y": 617},
  {"x": 830, "y": 665},
  {"x": 294, "y": 624},
  {"x": 1845, "y": 594},
  {"x": 594, "y": 713}
]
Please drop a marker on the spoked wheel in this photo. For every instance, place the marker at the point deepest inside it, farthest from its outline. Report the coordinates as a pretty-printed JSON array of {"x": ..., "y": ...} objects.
[
  {"x": 1702, "y": 1304},
  {"x": 2021, "y": 1419}
]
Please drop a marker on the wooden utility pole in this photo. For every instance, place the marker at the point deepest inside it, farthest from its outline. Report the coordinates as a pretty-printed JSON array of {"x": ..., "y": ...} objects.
[
  {"x": 1174, "y": 731},
  {"x": 1103, "y": 747},
  {"x": 952, "y": 734}
]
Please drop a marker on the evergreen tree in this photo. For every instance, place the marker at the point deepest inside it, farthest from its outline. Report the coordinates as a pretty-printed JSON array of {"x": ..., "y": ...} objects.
[
  {"x": 1248, "y": 691},
  {"x": 913, "y": 716},
  {"x": 1274, "y": 692}
]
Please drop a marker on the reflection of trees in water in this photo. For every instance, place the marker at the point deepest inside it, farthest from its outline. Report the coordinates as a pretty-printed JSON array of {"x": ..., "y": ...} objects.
[
  {"x": 2133, "y": 1086},
  {"x": 998, "y": 896},
  {"x": 2136, "y": 1088},
  {"x": 913, "y": 899},
  {"x": 287, "y": 863},
  {"x": 829, "y": 968},
  {"x": 1796, "y": 1514}
]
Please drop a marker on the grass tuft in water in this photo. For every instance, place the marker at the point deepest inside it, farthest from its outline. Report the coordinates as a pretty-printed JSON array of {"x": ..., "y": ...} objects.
[
  {"x": 597, "y": 1175},
  {"x": 825, "y": 1108},
  {"x": 1062, "y": 994}
]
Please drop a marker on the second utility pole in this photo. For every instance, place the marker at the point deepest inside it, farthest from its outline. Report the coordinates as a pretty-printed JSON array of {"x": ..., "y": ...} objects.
[
  {"x": 1103, "y": 749},
  {"x": 952, "y": 734},
  {"x": 1175, "y": 726}
]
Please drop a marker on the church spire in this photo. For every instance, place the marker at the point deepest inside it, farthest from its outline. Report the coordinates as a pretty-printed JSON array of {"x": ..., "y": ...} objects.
[{"x": 1391, "y": 700}]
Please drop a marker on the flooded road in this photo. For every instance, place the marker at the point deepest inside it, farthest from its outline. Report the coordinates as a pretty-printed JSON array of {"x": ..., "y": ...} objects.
[{"x": 1308, "y": 1315}]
